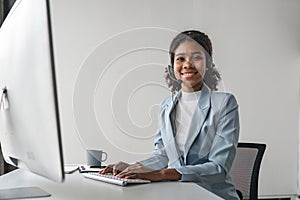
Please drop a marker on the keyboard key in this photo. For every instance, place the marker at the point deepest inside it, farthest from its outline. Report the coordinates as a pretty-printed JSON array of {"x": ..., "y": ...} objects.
[{"x": 109, "y": 178}]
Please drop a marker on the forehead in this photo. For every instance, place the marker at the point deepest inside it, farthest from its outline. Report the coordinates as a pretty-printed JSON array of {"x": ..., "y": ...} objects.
[{"x": 189, "y": 46}]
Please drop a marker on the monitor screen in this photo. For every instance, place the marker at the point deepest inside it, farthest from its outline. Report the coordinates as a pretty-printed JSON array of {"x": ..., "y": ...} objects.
[{"x": 29, "y": 115}]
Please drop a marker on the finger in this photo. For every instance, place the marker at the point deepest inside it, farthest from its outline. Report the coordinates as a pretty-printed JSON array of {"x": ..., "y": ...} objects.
[
  {"x": 116, "y": 167},
  {"x": 131, "y": 176},
  {"x": 120, "y": 166},
  {"x": 114, "y": 170},
  {"x": 123, "y": 174},
  {"x": 128, "y": 175},
  {"x": 106, "y": 170}
]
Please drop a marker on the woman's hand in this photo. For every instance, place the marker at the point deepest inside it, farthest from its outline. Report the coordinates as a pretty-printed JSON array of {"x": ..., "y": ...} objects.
[
  {"x": 115, "y": 168},
  {"x": 138, "y": 171}
]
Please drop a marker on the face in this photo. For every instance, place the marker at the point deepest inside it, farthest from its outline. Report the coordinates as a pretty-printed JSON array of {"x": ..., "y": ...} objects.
[{"x": 189, "y": 65}]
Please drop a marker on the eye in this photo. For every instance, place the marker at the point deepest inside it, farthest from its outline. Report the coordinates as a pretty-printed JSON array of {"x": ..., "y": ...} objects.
[
  {"x": 197, "y": 57},
  {"x": 180, "y": 59}
]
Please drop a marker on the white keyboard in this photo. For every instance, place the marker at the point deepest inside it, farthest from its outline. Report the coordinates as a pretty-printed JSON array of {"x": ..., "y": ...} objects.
[{"x": 109, "y": 178}]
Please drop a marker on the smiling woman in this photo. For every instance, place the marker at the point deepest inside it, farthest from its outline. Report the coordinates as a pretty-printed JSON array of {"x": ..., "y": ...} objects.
[
  {"x": 198, "y": 131},
  {"x": 203, "y": 53}
]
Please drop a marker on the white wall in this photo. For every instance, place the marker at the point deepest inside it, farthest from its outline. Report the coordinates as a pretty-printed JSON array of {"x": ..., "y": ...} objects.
[{"x": 110, "y": 58}]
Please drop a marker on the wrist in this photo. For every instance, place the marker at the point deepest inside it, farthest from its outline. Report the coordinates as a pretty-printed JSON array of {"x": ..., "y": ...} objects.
[{"x": 170, "y": 174}]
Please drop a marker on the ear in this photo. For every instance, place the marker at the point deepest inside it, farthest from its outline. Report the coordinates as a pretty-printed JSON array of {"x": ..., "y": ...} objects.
[
  {"x": 171, "y": 72},
  {"x": 208, "y": 59}
]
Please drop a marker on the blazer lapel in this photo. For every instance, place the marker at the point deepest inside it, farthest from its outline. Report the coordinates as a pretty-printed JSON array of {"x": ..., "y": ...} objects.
[
  {"x": 198, "y": 118},
  {"x": 169, "y": 140}
]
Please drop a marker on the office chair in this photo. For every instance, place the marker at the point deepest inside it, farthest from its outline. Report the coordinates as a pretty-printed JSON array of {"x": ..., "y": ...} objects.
[{"x": 245, "y": 169}]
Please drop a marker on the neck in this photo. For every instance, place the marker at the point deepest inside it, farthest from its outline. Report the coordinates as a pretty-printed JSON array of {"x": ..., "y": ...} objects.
[{"x": 192, "y": 89}]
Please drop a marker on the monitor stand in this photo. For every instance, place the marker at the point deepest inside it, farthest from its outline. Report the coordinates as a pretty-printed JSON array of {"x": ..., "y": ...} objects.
[{"x": 23, "y": 192}]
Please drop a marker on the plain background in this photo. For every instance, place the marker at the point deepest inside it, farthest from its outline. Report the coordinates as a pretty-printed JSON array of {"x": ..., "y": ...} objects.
[{"x": 110, "y": 59}]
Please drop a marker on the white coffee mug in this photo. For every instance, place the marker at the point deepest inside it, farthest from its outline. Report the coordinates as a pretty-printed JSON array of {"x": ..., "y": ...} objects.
[{"x": 95, "y": 157}]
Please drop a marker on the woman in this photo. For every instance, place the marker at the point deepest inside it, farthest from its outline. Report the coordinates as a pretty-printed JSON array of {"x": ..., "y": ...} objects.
[{"x": 199, "y": 128}]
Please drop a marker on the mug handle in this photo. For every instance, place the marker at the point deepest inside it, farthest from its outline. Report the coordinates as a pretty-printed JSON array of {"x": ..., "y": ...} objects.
[{"x": 105, "y": 156}]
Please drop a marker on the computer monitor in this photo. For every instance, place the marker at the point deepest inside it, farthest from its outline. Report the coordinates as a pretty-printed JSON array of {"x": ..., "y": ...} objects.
[{"x": 29, "y": 114}]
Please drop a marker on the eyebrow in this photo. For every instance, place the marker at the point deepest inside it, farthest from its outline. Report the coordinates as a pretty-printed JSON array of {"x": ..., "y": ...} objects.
[{"x": 181, "y": 54}]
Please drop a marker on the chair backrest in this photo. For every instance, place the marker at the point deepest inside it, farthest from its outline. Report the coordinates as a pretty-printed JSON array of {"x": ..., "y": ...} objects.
[{"x": 245, "y": 169}]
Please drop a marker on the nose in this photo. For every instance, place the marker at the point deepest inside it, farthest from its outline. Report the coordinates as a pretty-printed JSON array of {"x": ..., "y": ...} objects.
[{"x": 188, "y": 63}]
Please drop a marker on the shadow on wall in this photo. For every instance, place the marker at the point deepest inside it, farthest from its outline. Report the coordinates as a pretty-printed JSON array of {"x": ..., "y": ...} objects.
[{"x": 5, "y": 6}]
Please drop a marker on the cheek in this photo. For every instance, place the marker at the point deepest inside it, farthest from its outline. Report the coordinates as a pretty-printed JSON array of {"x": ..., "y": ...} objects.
[
  {"x": 177, "y": 68},
  {"x": 201, "y": 68}
]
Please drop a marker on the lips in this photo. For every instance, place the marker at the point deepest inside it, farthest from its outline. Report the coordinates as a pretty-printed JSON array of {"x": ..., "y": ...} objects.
[{"x": 188, "y": 74}]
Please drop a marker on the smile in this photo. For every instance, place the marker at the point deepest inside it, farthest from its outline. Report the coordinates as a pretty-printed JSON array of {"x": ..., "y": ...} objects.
[{"x": 188, "y": 74}]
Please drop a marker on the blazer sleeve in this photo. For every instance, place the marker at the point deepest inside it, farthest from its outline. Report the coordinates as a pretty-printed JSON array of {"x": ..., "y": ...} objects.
[
  {"x": 223, "y": 149},
  {"x": 159, "y": 158}
]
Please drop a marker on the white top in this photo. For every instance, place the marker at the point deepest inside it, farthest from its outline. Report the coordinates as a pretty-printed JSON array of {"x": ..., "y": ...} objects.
[{"x": 184, "y": 113}]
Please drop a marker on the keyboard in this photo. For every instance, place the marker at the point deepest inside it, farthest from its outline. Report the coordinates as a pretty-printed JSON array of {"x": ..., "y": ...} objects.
[{"x": 109, "y": 178}]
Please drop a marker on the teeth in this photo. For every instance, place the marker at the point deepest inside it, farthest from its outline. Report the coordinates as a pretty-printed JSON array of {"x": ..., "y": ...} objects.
[{"x": 188, "y": 74}]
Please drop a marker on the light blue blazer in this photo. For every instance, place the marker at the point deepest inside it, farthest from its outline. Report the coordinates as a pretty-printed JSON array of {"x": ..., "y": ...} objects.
[{"x": 211, "y": 142}]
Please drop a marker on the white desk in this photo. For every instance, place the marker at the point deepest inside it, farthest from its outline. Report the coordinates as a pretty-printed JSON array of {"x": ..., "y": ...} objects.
[{"x": 76, "y": 186}]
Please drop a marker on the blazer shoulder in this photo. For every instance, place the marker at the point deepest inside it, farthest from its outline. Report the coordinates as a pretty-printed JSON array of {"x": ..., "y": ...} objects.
[
  {"x": 217, "y": 94},
  {"x": 223, "y": 98}
]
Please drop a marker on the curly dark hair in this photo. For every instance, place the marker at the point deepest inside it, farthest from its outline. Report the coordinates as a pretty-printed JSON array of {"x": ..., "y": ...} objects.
[{"x": 212, "y": 75}]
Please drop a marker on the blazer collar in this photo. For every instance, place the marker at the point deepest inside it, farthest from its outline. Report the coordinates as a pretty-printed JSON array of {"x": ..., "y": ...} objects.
[
  {"x": 203, "y": 103},
  {"x": 171, "y": 148},
  {"x": 198, "y": 119}
]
